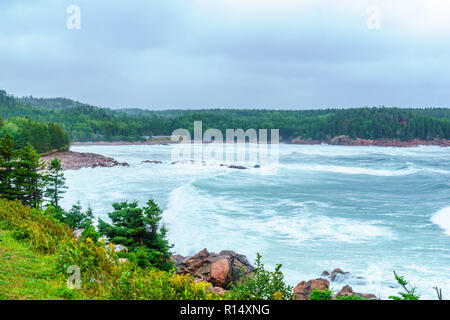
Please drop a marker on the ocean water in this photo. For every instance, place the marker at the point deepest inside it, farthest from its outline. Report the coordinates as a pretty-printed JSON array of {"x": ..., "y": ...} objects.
[{"x": 366, "y": 210}]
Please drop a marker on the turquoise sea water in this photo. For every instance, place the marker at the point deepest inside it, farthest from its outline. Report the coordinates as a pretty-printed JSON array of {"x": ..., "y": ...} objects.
[{"x": 366, "y": 210}]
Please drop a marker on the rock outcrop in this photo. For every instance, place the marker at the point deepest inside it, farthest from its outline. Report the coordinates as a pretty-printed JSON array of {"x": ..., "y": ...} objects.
[
  {"x": 304, "y": 289},
  {"x": 219, "y": 269},
  {"x": 237, "y": 167},
  {"x": 347, "y": 291},
  {"x": 335, "y": 275},
  {"x": 78, "y": 160}
]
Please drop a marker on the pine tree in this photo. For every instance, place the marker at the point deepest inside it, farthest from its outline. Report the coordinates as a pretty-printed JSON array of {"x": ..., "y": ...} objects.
[
  {"x": 28, "y": 180},
  {"x": 7, "y": 159},
  {"x": 138, "y": 229},
  {"x": 55, "y": 182},
  {"x": 76, "y": 218}
]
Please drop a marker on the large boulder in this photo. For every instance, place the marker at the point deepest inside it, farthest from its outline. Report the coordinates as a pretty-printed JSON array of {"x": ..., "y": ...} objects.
[
  {"x": 342, "y": 141},
  {"x": 335, "y": 275},
  {"x": 178, "y": 259},
  {"x": 347, "y": 291},
  {"x": 219, "y": 269},
  {"x": 304, "y": 289}
]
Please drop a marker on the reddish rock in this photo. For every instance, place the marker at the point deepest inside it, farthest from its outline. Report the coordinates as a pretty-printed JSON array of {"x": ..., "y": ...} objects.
[
  {"x": 220, "y": 269},
  {"x": 347, "y": 291},
  {"x": 78, "y": 160},
  {"x": 368, "y": 296},
  {"x": 152, "y": 161},
  {"x": 304, "y": 289},
  {"x": 219, "y": 272},
  {"x": 335, "y": 274},
  {"x": 342, "y": 141}
]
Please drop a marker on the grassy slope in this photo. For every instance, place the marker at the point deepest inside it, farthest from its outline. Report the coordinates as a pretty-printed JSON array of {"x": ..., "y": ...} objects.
[{"x": 24, "y": 273}]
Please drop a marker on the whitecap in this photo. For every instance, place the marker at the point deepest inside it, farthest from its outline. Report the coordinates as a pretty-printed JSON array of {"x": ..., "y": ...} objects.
[
  {"x": 442, "y": 219},
  {"x": 351, "y": 170}
]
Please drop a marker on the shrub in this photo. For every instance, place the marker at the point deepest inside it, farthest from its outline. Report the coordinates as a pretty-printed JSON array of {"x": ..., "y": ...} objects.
[
  {"x": 262, "y": 285},
  {"x": 90, "y": 232},
  {"x": 92, "y": 258},
  {"x": 33, "y": 226},
  {"x": 135, "y": 228},
  {"x": 317, "y": 294},
  {"x": 409, "y": 292},
  {"x": 153, "y": 284},
  {"x": 75, "y": 217},
  {"x": 104, "y": 277}
]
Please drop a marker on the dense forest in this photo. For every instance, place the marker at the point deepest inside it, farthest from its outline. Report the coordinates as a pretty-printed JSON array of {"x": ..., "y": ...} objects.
[
  {"x": 84, "y": 122},
  {"x": 41, "y": 135}
]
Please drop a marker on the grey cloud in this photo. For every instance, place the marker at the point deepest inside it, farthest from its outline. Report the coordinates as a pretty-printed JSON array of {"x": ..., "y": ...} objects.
[{"x": 161, "y": 54}]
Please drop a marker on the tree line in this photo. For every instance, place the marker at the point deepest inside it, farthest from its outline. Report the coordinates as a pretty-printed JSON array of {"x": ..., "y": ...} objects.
[
  {"x": 26, "y": 178},
  {"x": 83, "y": 122},
  {"x": 25, "y": 129},
  {"x": 43, "y": 137}
]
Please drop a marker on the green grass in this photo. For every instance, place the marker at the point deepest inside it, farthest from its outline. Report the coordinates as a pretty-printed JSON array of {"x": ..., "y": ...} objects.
[{"x": 26, "y": 274}]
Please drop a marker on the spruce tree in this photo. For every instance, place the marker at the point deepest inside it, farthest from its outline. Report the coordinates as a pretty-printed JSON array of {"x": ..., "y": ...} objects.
[
  {"x": 138, "y": 229},
  {"x": 56, "y": 183},
  {"x": 28, "y": 178},
  {"x": 7, "y": 159},
  {"x": 76, "y": 218}
]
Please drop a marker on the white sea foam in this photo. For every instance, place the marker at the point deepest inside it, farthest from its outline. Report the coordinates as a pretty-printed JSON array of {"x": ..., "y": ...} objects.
[
  {"x": 351, "y": 170},
  {"x": 442, "y": 219},
  {"x": 307, "y": 230},
  {"x": 195, "y": 219}
]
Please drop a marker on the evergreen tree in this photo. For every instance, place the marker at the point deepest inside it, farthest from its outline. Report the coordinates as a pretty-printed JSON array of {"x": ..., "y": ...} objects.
[
  {"x": 7, "y": 158},
  {"x": 55, "y": 182},
  {"x": 138, "y": 229},
  {"x": 76, "y": 218},
  {"x": 28, "y": 180}
]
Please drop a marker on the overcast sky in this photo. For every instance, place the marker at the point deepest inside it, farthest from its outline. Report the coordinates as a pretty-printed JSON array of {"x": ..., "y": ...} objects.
[{"x": 161, "y": 54}]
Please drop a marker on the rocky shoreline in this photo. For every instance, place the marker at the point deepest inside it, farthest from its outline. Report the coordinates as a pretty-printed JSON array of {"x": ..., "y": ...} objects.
[
  {"x": 226, "y": 267},
  {"x": 122, "y": 143},
  {"x": 77, "y": 160},
  {"x": 338, "y": 141},
  {"x": 347, "y": 141}
]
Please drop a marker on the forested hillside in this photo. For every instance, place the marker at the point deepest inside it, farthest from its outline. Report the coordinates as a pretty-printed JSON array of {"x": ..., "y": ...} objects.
[
  {"x": 19, "y": 123},
  {"x": 89, "y": 123}
]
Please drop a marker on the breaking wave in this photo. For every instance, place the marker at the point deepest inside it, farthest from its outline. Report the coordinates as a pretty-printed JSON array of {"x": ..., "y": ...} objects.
[{"x": 442, "y": 219}]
